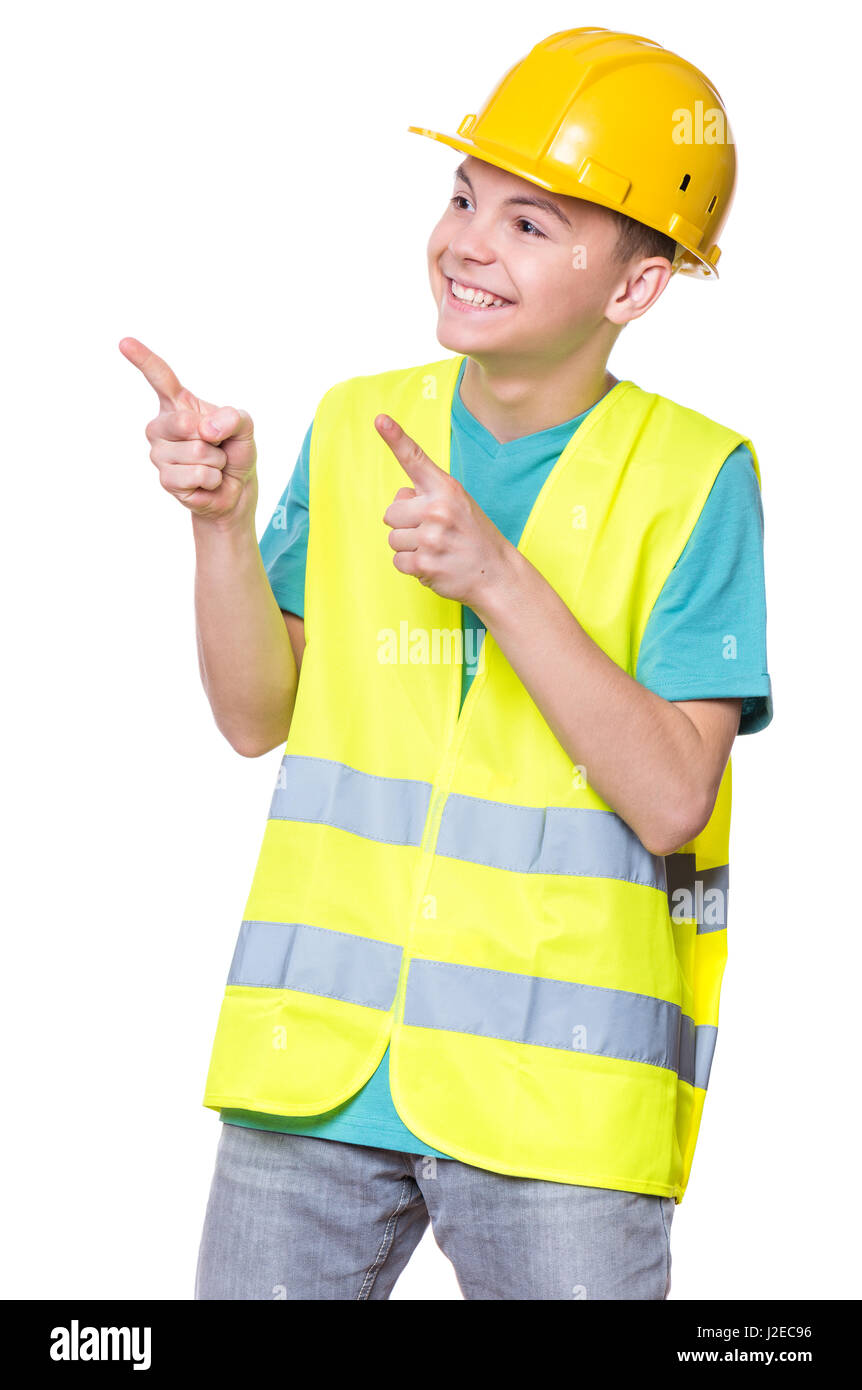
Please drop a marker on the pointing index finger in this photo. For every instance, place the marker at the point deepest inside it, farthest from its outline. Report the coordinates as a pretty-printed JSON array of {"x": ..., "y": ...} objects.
[
  {"x": 160, "y": 376},
  {"x": 420, "y": 469}
]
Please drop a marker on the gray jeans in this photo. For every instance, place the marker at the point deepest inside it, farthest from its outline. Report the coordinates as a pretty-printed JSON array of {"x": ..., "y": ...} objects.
[{"x": 292, "y": 1216}]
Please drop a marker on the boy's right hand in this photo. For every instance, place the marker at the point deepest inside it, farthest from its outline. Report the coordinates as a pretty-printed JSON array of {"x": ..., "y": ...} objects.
[{"x": 205, "y": 454}]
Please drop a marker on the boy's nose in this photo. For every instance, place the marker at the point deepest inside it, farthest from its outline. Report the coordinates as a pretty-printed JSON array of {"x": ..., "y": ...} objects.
[{"x": 470, "y": 244}]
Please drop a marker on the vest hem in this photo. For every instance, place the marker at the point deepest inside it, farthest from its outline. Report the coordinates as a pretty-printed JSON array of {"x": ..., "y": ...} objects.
[
  {"x": 476, "y": 1160},
  {"x": 232, "y": 1101}
]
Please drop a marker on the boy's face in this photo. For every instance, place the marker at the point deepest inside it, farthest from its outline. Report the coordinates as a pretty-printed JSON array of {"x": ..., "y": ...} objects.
[{"x": 552, "y": 264}]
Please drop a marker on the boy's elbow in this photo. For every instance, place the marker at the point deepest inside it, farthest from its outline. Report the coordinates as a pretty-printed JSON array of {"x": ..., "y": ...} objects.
[
  {"x": 250, "y": 750},
  {"x": 250, "y": 744},
  {"x": 670, "y": 834},
  {"x": 663, "y": 845}
]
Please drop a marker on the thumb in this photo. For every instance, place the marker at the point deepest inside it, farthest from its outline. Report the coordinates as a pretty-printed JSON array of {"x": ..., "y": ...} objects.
[{"x": 420, "y": 469}]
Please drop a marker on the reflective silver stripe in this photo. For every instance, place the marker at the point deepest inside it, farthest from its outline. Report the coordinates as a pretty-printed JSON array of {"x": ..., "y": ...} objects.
[
  {"x": 466, "y": 999},
  {"x": 294, "y": 955},
  {"x": 391, "y": 809},
  {"x": 546, "y": 840},
  {"x": 705, "y": 1040},
  {"x": 701, "y": 894},
  {"x": 696, "y": 1048},
  {"x": 545, "y": 1013},
  {"x": 687, "y": 1049},
  {"x": 523, "y": 839}
]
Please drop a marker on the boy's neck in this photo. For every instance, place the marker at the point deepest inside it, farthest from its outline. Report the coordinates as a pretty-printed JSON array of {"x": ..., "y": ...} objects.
[{"x": 512, "y": 402}]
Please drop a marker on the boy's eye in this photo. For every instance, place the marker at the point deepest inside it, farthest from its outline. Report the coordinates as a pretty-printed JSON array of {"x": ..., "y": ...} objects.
[{"x": 528, "y": 223}]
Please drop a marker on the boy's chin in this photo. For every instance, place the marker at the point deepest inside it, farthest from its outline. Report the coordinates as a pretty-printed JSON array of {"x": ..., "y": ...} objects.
[{"x": 461, "y": 340}]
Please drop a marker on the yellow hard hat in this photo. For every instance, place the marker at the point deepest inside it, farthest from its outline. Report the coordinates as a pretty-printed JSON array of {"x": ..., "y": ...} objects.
[{"x": 617, "y": 120}]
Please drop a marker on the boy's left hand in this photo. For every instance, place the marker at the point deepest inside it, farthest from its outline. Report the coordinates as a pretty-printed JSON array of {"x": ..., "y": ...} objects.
[{"x": 439, "y": 533}]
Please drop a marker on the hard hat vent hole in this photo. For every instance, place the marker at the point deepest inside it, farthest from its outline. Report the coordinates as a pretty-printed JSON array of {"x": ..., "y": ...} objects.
[
  {"x": 686, "y": 180},
  {"x": 712, "y": 202}
]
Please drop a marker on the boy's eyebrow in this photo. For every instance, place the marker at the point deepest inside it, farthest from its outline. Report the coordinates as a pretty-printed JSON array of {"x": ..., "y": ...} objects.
[{"x": 536, "y": 202}]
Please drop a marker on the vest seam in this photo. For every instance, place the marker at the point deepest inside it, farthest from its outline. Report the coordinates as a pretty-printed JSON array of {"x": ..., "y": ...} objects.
[
  {"x": 314, "y": 994},
  {"x": 333, "y": 825},
  {"x": 333, "y": 931},
  {"x": 553, "y": 1047},
  {"x": 528, "y": 806},
  {"x": 550, "y": 873},
  {"x": 373, "y": 776}
]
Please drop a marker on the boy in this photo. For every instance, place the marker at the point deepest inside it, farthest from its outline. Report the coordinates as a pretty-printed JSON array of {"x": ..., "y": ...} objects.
[{"x": 477, "y": 977}]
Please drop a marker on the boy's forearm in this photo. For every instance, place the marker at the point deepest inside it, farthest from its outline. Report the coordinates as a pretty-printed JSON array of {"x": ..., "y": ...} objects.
[
  {"x": 244, "y": 653},
  {"x": 641, "y": 754}
]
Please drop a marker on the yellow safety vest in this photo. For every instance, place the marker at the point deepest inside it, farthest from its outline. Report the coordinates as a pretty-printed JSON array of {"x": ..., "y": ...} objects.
[{"x": 449, "y": 880}]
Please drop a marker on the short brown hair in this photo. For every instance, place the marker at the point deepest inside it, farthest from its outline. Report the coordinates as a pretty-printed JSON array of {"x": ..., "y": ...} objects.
[{"x": 636, "y": 239}]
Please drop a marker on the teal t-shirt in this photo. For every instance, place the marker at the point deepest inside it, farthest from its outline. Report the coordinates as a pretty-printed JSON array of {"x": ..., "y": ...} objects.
[{"x": 716, "y": 587}]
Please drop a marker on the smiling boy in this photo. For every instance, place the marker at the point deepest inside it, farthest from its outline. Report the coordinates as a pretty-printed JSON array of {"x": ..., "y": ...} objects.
[{"x": 477, "y": 977}]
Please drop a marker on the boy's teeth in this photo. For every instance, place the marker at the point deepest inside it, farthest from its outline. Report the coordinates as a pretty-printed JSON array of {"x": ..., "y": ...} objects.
[{"x": 480, "y": 297}]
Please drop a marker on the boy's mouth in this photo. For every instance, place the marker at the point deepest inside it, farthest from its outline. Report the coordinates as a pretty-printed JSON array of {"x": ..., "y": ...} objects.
[{"x": 470, "y": 299}]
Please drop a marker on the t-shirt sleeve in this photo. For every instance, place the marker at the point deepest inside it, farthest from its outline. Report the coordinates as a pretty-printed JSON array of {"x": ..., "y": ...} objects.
[
  {"x": 284, "y": 543},
  {"x": 706, "y": 636}
]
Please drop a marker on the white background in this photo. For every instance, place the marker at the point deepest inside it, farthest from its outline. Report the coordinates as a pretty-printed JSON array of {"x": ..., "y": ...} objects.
[{"x": 235, "y": 186}]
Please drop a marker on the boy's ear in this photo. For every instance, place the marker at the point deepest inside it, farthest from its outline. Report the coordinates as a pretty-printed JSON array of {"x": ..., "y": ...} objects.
[{"x": 643, "y": 283}]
